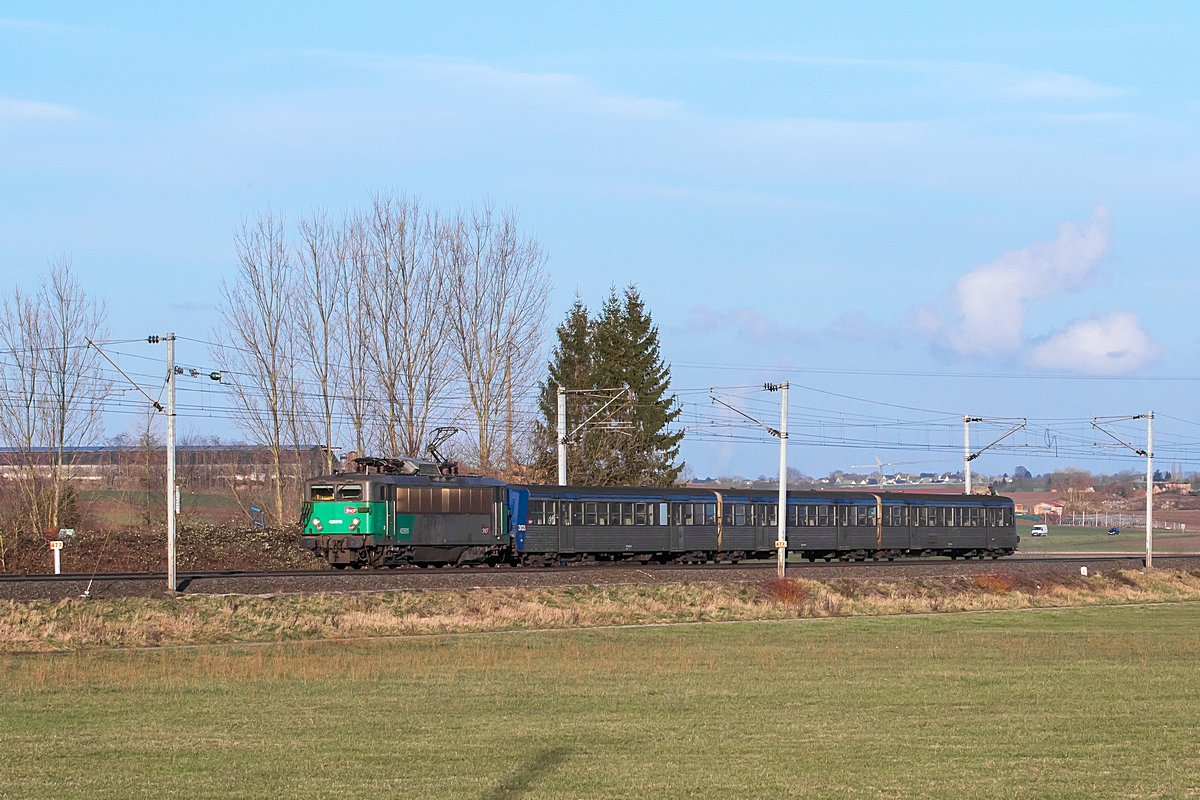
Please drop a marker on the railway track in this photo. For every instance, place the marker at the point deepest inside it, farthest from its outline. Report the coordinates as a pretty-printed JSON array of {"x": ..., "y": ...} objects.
[{"x": 186, "y": 577}]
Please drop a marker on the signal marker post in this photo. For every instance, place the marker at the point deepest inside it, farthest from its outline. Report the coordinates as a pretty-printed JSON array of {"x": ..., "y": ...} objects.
[
  {"x": 56, "y": 547},
  {"x": 781, "y": 534},
  {"x": 172, "y": 497},
  {"x": 171, "y": 581},
  {"x": 562, "y": 436},
  {"x": 1149, "y": 489}
]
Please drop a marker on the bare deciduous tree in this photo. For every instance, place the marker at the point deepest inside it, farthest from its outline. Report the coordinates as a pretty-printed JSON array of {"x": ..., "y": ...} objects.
[
  {"x": 257, "y": 340},
  {"x": 405, "y": 297},
  {"x": 357, "y": 340},
  {"x": 318, "y": 311},
  {"x": 76, "y": 386},
  {"x": 499, "y": 290},
  {"x": 21, "y": 408},
  {"x": 51, "y": 392},
  {"x": 388, "y": 309}
]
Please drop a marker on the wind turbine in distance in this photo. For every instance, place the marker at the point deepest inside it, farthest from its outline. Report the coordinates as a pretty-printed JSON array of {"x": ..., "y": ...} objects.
[{"x": 879, "y": 465}]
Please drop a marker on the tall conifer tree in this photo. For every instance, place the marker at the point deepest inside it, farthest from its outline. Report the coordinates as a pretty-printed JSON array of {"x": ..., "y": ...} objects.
[
  {"x": 628, "y": 354},
  {"x": 619, "y": 348}
]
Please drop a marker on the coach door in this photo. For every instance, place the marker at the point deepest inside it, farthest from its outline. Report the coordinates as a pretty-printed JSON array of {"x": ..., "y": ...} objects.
[{"x": 570, "y": 513}]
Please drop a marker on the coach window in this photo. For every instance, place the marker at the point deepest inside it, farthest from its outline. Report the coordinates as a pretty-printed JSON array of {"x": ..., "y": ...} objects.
[
  {"x": 687, "y": 514},
  {"x": 626, "y": 513},
  {"x": 772, "y": 516},
  {"x": 1008, "y": 518},
  {"x": 601, "y": 513},
  {"x": 589, "y": 513},
  {"x": 551, "y": 512},
  {"x": 793, "y": 519},
  {"x": 639, "y": 514},
  {"x": 739, "y": 515},
  {"x": 710, "y": 514},
  {"x": 576, "y": 513},
  {"x": 727, "y": 513},
  {"x": 535, "y": 513}
]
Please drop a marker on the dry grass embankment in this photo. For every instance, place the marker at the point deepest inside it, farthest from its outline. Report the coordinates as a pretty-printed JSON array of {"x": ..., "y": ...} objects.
[{"x": 138, "y": 622}]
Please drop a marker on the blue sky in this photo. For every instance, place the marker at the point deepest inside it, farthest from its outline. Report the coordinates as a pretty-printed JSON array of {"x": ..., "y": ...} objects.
[{"x": 842, "y": 188}]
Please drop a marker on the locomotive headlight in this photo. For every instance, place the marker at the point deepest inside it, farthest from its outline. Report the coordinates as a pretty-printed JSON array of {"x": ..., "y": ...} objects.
[
  {"x": 317, "y": 524},
  {"x": 354, "y": 523}
]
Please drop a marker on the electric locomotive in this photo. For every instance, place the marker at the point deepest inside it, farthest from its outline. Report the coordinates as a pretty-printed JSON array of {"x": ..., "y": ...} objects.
[{"x": 393, "y": 512}]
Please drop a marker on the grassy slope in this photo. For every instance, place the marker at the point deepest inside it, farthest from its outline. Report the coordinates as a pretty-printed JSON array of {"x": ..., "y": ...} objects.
[{"x": 1069, "y": 703}]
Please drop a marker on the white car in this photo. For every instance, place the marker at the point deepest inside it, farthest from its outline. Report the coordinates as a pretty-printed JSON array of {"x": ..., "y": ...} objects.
[{"x": 1039, "y": 530}]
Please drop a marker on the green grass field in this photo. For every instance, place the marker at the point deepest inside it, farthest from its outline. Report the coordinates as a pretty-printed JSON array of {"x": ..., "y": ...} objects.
[
  {"x": 1062, "y": 539},
  {"x": 1100, "y": 702}
]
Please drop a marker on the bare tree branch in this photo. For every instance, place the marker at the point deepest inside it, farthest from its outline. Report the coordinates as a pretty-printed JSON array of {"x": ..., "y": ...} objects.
[{"x": 257, "y": 332}]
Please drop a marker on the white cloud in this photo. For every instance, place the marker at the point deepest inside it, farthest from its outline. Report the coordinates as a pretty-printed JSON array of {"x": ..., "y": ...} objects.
[
  {"x": 1058, "y": 86},
  {"x": 22, "y": 110},
  {"x": 1105, "y": 344},
  {"x": 985, "y": 313},
  {"x": 748, "y": 326},
  {"x": 989, "y": 303}
]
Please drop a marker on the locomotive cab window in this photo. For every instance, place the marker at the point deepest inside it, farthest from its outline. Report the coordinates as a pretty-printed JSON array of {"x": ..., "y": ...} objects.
[
  {"x": 320, "y": 493},
  {"x": 350, "y": 491}
]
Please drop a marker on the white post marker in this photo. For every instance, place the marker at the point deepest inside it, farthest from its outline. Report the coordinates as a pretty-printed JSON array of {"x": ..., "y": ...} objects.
[{"x": 56, "y": 546}]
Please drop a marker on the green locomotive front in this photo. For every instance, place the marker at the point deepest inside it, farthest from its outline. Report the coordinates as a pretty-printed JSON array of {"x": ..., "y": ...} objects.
[{"x": 362, "y": 519}]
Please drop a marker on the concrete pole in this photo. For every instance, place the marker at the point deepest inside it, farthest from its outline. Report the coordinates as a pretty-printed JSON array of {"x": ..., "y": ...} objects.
[
  {"x": 562, "y": 436},
  {"x": 781, "y": 536},
  {"x": 170, "y": 492},
  {"x": 967, "y": 452},
  {"x": 1150, "y": 490}
]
